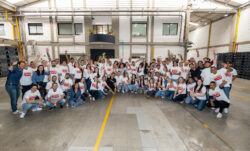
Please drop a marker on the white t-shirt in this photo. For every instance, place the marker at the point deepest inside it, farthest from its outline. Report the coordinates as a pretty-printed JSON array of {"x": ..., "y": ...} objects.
[
  {"x": 71, "y": 67},
  {"x": 190, "y": 87},
  {"x": 133, "y": 70},
  {"x": 229, "y": 75},
  {"x": 94, "y": 86},
  {"x": 77, "y": 73},
  {"x": 54, "y": 71},
  {"x": 174, "y": 71},
  {"x": 218, "y": 77},
  {"x": 205, "y": 74},
  {"x": 219, "y": 94},
  {"x": 119, "y": 79},
  {"x": 63, "y": 70},
  {"x": 109, "y": 69},
  {"x": 26, "y": 78},
  {"x": 180, "y": 87},
  {"x": 171, "y": 87},
  {"x": 30, "y": 95},
  {"x": 141, "y": 71},
  {"x": 67, "y": 83},
  {"x": 203, "y": 90},
  {"x": 82, "y": 87},
  {"x": 55, "y": 95},
  {"x": 87, "y": 73},
  {"x": 184, "y": 71},
  {"x": 102, "y": 85}
]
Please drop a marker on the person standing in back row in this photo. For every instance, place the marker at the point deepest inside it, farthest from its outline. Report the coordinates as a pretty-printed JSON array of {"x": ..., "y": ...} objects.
[{"x": 12, "y": 83}]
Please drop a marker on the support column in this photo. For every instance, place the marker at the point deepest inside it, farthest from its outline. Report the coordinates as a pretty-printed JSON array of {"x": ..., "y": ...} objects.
[
  {"x": 236, "y": 30},
  {"x": 115, "y": 27},
  {"x": 87, "y": 26},
  {"x": 187, "y": 20},
  {"x": 209, "y": 36},
  {"x": 52, "y": 34}
]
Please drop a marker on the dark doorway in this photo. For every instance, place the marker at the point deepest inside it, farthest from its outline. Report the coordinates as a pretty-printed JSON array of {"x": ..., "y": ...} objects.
[{"x": 95, "y": 53}]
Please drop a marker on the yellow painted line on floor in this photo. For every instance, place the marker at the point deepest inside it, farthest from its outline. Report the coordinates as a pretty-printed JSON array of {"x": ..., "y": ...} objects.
[
  {"x": 98, "y": 141},
  {"x": 241, "y": 97},
  {"x": 205, "y": 125}
]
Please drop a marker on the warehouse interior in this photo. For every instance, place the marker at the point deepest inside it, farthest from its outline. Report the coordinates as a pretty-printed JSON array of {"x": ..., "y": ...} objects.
[{"x": 124, "y": 29}]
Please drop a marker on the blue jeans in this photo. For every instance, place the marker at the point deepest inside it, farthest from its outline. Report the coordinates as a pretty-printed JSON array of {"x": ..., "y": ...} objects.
[
  {"x": 88, "y": 83},
  {"x": 160, "y": 93},
  {"x": 25, "y": 89},
  {"x": 74, "y": 103},
  {"x": 188, "y": 100},
  {"x": 133, "y": 87},
  {"x": 201, "y": 103},
  {"x": 100, "y": 94},
  {"x": 61, "y": 102},
  {"x": 227, "y": 91},
  {"x": 169, "y": 94},
  {"x": 175, "y": 80},
  {"x": 14, "y": 93},
  {"x": 122, "y": 86},
  {"x": 27, "y": 106}
]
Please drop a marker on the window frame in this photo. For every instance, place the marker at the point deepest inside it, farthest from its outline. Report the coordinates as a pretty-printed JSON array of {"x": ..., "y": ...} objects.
[
  {"x": 170, "y": 29},
  {"x": 75, "y": 29},
  {"x": 65, "y": 34},
  {"x": 139, "y": 23},
  {"x": 35, "y": 24}
]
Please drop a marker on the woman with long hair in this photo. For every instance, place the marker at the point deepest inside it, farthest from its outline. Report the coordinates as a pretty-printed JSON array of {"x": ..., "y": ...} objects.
[
  {"x": 180, "y": 90},
  {"x": 75, "y": 95},
  {"x": 199, "y": 95}
]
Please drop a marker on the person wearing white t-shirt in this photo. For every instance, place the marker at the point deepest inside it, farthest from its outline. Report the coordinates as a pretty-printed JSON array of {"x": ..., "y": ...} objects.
[
  {"x": 120, "y": 83},
  {"x": 205, "y": 74},
  {"x": 175, "y": 72},
  {"x": 63, "y": 69},
  {"x": 199, "y": 97},
  {"x": 54, "y": 71},
  {"x": 160, "y": 85},
  {"x": 26, "y": 79},
  {"x": 55, "y": 96},
  {"x": 70, "y": 62},
  {"x": 218, "y": 76},
  {"x": 230, "y": 76},
  {"x": 180, "y": 91},
  {"x": 94, "y": 88},
  {"x": 218, "y": 99},
  {"x": 66, "y": 82},
  {"x": 103, "y": 88},
  {"x": 32, "y": 98},
  {"x": 151, "y": 88},
  {"x": 77, "y": 73},
  {"x": 184, "y": 70},
  {"x": 170, "y": 89},
  {"x": 190, "y": 90},
  {"x": 49, "y": 84}
]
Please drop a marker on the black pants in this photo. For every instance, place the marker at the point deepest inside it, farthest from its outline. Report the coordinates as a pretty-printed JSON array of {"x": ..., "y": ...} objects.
[
  {"x": 41, "y": 89},
  {"x": 151, "y": 93},
  {"x": 94, "y": 93},
  {"x": 25, "y": 89},
  {"x": 180, "y": 97},
  {"x": 221, "y": 104}
]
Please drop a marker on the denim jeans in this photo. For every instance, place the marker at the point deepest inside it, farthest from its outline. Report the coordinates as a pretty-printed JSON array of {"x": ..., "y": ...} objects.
[
  {"x": 160, "y": 93},
  {"x": 25, "y": 89},
  {"x": 100, "y": 94},
  {"x": 27, "y": 106},
  {"x": 133, "y": 87},
  {"x": 88, "y": 83},
  {"x": 180, "y": 97},
  {"x": 74, "y": 103},
  {"x": 14, "y": 93},
  {"x": 94, "y": 93},
  {"x": 175, "y": 80},
  {"x": 61, "y": 102},
  {"x": 201, "y": 103},
  {"x": 188, "y": 100},
  {"x": 227, "y": 91},
  {"x": 122, "y": 86},
  {"x": 169, "y": 94}
]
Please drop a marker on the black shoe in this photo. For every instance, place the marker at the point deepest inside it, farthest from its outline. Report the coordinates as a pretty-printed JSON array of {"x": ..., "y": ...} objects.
[
  {"x": 61, "y": 106},
  {"x": 51, "y": 108}
]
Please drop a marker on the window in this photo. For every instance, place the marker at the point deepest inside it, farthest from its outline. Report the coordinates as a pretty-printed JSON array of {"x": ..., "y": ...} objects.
[
  {"x": 139, "y": 29},
  {"x": 170, "y": 28},
  {"x": 102, "y": 29},
  {"x": 65, "y": 29},
  {"x": 2, "y": 32},
  {"x": 35, "y": 28},
  {"x": 78, "y": 28}
]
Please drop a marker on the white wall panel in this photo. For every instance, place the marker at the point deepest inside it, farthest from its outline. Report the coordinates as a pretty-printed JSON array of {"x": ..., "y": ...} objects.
[
  {"x": 199, "y": 37},
  {"x": 102, "y": 20},
  {"x": 243, "y": 48},
  {"x": 158, "y": 29},
  {"x": 124, "y": 3},
  {"x": 77, "y": 3},
  {"x": 138, "y": 49},
  {"x": 244, "y": 26},
  {"x": 33, "y": 51},
  {"x": 8, "y": 32},
  {"x": 63, "y": 3},
  {"x": 140, "y": 3},
  {"x": 162, "y": 51},
  {"x": 124, "y": 28},
  {"x": 101, "y": 3},
  {"x": 72, "y": 49},
  {"x": 170, "y": 3},
  {"x": 124, "y": 53}
]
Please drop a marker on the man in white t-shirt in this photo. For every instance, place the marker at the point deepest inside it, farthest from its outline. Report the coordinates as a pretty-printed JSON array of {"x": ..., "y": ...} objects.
[
  {"x": 55, "y": 96},
  {"x": 32, "y": 98},
  {"x": 205, "y": 74},
  {"x": 218, "y": 76},
  {"x": 49, "y": 84},
  {"x": 26, "y": 79},
  {"x": 218, "y": 99}
]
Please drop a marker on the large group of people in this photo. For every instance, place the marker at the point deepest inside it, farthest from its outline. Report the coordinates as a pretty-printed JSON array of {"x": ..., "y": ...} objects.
[{"x": 49, "y": 83}]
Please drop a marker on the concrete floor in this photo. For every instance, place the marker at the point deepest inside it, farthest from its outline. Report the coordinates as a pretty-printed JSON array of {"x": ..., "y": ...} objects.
[{"x": 134, "y": 124}]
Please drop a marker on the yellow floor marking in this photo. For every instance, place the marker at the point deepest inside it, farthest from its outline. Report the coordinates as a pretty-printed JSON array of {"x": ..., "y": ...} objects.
[
  {"x": 205, "y": 125},
  {"x": 98, "y": 141},
  {"x": 241, "y": 85},
  {"x": 241, "y": 97}
]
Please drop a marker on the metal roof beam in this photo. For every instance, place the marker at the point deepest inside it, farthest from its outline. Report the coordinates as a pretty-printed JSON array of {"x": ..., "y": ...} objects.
[{"x": 7, "y": 6}]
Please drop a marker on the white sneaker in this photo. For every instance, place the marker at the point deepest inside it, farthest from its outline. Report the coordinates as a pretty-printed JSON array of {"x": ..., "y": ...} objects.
[
  {"x": 16, "y": 112},
  {"x": 93, "y": 98},
  {"x": 212, "y": 108},
  {"x": 219, "y": 115},
  {"x": 225, "y": 110},
  {"x": 217, "y": 110},
  {"x": 123, "y": 91},
  {"x": 182, "y": 102},
  {"x": 118, "y": 91},
  {"x": 22, "y": 115}
]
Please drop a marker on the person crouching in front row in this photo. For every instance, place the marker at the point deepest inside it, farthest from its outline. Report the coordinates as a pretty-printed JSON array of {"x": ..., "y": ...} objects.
[
  {"x": 55, "y": 96},
  {"x": 75, "y": 96},
  {"x": 32, "y": 98}
]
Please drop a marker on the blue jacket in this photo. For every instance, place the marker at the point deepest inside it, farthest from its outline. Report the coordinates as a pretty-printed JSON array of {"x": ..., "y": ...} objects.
[
  {"x": 72, "y": 93},
  {"x": 14, "y": 76},
  {"x": 40, "y": 78}
]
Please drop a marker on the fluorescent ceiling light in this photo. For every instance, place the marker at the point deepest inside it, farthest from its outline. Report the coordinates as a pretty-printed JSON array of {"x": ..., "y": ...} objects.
[
  {"x": 14, "y": 1},
  {"x": 195, "y": 24}
]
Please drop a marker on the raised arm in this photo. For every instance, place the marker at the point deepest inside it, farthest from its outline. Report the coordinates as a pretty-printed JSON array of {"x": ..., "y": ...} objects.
[
  {"x": 197, "y": 53},
  {"x": 66, "y": 55},
  {"x": 37, "y": 58}
]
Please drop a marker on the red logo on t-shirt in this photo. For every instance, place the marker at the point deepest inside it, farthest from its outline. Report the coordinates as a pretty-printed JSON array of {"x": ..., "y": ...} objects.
[
  {"x": 66, "y": 84},
  {"x": 218, "y": 78},
  {"x": 103, "y": 85},
  {"x": 182, "y": 69},
  {"x": 53, "y": 72},
  {"x": 180, "y": 88},
  {"x": 94, "y": 85},
  {"x": 32, "y": 98},
  {"x": 216, "y": 95},
  {"x": 191, "y": 89},
  {"x": 78, "y": 71},
  {"x": 228, "y": 74},
  {"x": 27, "y": 74},
  {"x": 81, "y": 87},
  {"x": 174, "y": 71},
  {"x": 64, "y": 70},
  {"x": 55, "y": 96}
]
